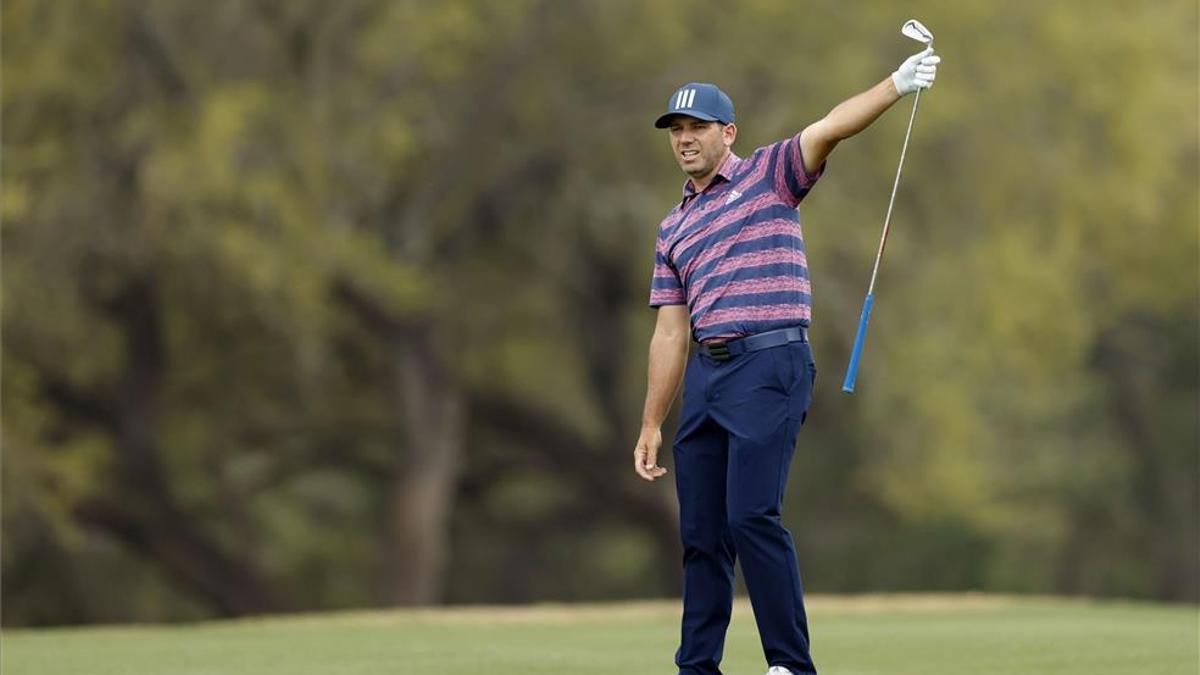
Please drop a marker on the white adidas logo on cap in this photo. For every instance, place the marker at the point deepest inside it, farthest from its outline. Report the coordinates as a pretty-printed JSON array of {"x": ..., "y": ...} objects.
[{"x": 685, "y": 98}]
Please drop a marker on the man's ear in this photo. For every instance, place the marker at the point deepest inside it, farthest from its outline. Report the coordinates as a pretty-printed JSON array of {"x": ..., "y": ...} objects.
[{"x": 729, "y": 134}]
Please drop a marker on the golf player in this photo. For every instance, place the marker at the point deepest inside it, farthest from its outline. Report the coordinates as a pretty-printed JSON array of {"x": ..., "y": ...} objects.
[{"x": 730, "y": 274}]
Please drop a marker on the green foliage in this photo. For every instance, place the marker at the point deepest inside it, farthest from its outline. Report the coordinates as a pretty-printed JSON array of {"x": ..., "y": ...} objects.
[{"x": 225, "y": 226}]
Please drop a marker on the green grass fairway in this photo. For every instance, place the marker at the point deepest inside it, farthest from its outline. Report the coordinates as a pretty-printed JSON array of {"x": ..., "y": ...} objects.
[{"x": 876, "y": 635}]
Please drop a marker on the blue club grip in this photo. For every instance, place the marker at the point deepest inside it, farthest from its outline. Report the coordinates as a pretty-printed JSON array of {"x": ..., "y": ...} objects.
[{"x": 859, "y": 339}]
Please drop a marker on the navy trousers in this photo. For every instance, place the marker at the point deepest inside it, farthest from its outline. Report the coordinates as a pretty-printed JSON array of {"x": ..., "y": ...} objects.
[{"x": 732, "y": 451}]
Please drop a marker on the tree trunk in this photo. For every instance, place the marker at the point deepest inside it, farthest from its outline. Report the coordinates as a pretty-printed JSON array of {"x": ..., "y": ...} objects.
[
  {"x": 140, "y": 509},
  {"x": 425, "y": 478}
]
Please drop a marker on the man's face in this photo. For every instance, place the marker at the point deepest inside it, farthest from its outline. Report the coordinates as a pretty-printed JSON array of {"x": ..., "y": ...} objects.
[{"x": 700, "y": 146}]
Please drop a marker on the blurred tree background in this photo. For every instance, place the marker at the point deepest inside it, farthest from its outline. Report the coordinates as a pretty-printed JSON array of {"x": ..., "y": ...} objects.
[{"x": 313, "y": 304}]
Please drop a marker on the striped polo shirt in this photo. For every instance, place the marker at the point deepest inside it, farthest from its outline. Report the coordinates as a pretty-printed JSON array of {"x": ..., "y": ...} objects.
[{"x": 734, "y": 252}]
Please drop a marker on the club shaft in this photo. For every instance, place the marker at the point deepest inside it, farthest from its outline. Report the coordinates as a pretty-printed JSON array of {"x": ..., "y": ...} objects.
[
  {"x": 861, "y": 335},
  {"x": 887, "y": 220}
]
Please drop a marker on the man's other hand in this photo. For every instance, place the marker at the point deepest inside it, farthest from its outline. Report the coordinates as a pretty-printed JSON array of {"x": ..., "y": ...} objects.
[{"x": 645, "y": 454}]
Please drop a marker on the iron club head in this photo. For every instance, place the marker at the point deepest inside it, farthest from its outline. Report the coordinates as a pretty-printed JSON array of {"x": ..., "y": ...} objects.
[{"x": 917, "y": 31}]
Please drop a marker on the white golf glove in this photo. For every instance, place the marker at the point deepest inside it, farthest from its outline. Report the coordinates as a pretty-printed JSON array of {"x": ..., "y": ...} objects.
[{"x": 917, "y": 72}]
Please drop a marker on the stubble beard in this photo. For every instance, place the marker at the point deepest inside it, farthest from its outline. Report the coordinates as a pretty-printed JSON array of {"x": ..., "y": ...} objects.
[{"x": 707, "y": 166}]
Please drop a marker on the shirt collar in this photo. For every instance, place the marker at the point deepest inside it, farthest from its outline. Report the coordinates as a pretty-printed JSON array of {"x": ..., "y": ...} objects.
[{"x": 725, "y": 172}]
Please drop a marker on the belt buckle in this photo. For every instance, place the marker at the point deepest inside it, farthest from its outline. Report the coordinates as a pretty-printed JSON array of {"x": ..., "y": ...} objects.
[{"x": 718, "y": 351}]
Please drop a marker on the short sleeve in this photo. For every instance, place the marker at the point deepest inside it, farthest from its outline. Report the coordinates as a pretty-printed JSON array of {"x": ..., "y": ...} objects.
[
  {"x": 790, "y": 180},
  {"x": 665, "y": 287}
]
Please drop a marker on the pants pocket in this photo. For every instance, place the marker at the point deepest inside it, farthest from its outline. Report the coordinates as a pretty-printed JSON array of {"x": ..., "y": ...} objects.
[{"x": 806, "y": 379}]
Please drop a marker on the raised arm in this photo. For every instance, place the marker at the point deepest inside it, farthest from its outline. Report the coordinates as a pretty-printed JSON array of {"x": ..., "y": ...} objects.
[
  {"x": 858, "y": 112},
  {"x": 668, "y": 356}
]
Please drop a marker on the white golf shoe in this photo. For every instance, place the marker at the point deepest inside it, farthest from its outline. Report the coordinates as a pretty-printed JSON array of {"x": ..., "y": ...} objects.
[{"x": 778, "y": 670}]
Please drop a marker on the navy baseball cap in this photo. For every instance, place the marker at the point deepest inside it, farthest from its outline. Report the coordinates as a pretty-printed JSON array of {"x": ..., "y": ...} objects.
[{"x": 700, "y": 100}]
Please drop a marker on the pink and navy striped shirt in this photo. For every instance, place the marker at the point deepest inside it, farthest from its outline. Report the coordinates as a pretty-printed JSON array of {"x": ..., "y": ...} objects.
[{"x": 734, "y": 252}]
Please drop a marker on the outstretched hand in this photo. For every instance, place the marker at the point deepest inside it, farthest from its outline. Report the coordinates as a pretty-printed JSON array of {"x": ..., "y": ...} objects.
[
  {"x": 917, "y": 72},
  {"x": 645, "y": 454}
]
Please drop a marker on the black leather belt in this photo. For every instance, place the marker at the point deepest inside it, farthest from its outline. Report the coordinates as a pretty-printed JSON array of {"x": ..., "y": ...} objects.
[{"x": 723, "y": 351}]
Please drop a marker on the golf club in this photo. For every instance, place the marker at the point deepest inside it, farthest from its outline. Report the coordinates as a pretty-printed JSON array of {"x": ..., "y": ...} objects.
[{"x": 915, "y": 30}]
